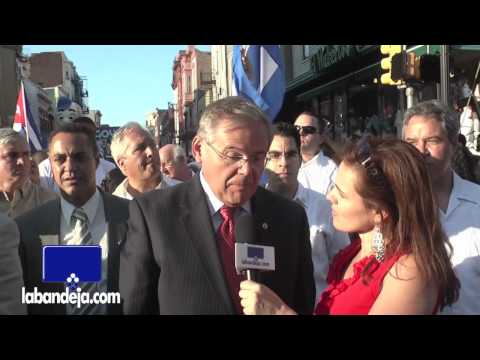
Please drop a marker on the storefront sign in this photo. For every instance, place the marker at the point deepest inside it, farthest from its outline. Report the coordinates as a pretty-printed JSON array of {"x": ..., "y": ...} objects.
[{"x": 329, "y": 55}]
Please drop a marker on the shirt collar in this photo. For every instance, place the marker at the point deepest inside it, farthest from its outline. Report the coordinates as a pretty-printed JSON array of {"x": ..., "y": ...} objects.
[
  {"x": 20, "y": 192},
  {"x": 214, "y": 204},
  {"x": 460, "y": 191},
  {"x": 90, "y": 207}
]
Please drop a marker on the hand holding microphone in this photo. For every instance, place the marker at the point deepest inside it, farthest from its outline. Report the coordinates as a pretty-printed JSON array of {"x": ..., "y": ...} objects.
[{"x": 256, "y": 299}]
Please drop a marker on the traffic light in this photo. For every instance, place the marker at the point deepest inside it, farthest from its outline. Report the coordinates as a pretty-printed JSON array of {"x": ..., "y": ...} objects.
[
  {"x": 386, "y": 63},
  {"x": 405, "y": 66},
  {"x": 429, "y": 68}
]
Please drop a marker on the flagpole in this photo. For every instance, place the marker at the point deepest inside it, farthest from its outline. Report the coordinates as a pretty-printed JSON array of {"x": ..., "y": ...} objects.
[{"x": 25, "y": 111}]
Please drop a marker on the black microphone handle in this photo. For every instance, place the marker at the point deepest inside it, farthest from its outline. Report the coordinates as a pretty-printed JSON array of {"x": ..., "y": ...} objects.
[{"x": 252, "y": 274}]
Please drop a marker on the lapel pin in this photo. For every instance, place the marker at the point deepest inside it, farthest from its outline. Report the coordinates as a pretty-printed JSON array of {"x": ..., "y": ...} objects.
[{"x": 264, "y": 226}]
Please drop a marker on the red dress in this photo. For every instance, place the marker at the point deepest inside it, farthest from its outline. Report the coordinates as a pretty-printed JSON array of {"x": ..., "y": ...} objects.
[{"x": 352, "y": 296}]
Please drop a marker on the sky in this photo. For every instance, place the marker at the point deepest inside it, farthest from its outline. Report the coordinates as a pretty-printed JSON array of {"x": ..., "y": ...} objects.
[{"x": 124, "y": 82}]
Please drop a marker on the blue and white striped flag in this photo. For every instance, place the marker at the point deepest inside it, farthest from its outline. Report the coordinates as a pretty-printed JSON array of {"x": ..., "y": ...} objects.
[{"x": 258, "y": 74}]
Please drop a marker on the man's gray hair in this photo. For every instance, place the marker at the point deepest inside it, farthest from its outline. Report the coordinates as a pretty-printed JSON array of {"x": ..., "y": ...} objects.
[
  {"x": 10, "y": 136},
  {"x": 179, "y": 154},
  {"x": 434, "y": 109},
  {"x": 234, "y": 108},
  {"x": 117, "y": 147}
]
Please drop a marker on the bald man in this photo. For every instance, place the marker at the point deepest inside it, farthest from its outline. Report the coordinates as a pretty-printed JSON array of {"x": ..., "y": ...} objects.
[
  {"x": 173, "y": 163},
  {"x": 317, "y": 171}
]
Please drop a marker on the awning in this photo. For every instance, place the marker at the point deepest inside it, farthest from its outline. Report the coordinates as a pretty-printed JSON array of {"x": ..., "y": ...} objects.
[
  {"x": 466, "y": 47},
  {"x": 367, "y": 73},
  {"x": 435, "y": 49}
]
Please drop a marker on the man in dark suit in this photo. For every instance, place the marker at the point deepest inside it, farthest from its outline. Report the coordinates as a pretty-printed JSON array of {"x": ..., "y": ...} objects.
[
  {"x": 179, "y": 254},
  {"x": 11, "y": 281},
  {"x": 84, "y": 215}
]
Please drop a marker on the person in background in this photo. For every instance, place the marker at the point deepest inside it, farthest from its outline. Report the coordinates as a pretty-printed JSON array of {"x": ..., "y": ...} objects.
[
  {"x": 464, "y": 163},
  {"x": 173, "y": 163},
  {"x": 134, "y": 151},
  {"x": 104, "y": 166},
  {"x": 397, "y": 262},
  {"x": 317, "y": 170},
  {"x": 18, "y": 193},
  {"x": 11, "y": 276},
  {"x": 433, "y": 129},
  {"x": 283, "y": 163},
  {"x": 82, "y": 215}
]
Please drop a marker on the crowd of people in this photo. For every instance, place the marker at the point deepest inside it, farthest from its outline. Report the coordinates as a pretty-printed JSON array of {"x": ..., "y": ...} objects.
[{"x": 385, "y": 227}]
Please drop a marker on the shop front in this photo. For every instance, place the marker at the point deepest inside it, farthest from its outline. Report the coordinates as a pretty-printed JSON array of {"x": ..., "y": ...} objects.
[{"x": 341, "y": 86}]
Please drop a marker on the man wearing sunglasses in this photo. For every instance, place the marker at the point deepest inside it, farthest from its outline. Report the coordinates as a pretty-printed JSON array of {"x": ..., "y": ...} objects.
[{"x": 317, "y": 170}]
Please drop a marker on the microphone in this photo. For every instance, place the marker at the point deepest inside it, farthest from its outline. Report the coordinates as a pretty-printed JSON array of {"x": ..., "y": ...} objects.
[{"x": 248, "y": 256}]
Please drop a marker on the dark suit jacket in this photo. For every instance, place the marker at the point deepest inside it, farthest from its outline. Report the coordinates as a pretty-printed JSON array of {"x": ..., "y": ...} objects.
[
  {"x": 41, "y": 226},
  {"x": 170, "y": 262},
  {"x": 11, "y": 280}
]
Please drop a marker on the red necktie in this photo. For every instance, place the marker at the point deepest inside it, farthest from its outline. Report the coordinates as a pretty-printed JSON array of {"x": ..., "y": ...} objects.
[{"x": 226, "y": 236}]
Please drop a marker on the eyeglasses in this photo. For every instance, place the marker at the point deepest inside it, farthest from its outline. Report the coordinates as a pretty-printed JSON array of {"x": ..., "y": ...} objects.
[
  {"x": 277, "y": 155},
  {"x": 234, "y": 157},
  {"x": 306, "y": 129}
]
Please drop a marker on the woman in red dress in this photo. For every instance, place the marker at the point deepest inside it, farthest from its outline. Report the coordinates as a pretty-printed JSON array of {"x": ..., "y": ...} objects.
[{"x": 397, "y": 262}]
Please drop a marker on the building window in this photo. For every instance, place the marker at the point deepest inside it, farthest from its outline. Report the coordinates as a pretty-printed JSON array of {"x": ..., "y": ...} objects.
[
  {"x": 305, "y": 51},
  {"x": 189, "y": 90}
]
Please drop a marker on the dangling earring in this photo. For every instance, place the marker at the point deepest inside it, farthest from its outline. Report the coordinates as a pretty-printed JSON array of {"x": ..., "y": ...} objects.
[{"x": 378, "y": 244}]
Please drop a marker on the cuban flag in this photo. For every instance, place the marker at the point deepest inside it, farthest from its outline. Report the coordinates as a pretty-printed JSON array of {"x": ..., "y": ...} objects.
[
  {"x": 258, "y": 74},
  {"x": 24, "y": 123}
]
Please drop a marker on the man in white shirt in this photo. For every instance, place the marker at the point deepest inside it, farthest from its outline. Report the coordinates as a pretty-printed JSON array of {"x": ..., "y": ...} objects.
[
  {"x": 103, "y": 167},
  {"x": 18, "y": 194},
  {"x": 135, "y": 154},
  {"x": 283, "y": 163},
  {"x": 83, "y": 215},
  {"x": 317, "y": 171},
  {"x": 470, "y": 128},
  {"x": 433, "y": 129}
]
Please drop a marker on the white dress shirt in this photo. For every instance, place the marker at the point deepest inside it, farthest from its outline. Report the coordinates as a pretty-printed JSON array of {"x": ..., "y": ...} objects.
[
  {"x": 214, "y": 204},
  {"x": 318, "y": 173},
  {"x": 97, "y": 225},
  {"x": 325, "y": 240},
  {"x": 461, "y": 223},
  {"x": 46, "y": 175}
]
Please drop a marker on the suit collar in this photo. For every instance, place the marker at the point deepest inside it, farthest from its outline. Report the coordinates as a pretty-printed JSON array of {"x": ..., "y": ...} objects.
[{"x": 198, "y": 224}]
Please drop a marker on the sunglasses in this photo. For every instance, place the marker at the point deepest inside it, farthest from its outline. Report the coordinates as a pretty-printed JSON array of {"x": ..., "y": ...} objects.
[
  {"x": 306, "y": 129},
  {"x": 364, "y": 157}
]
